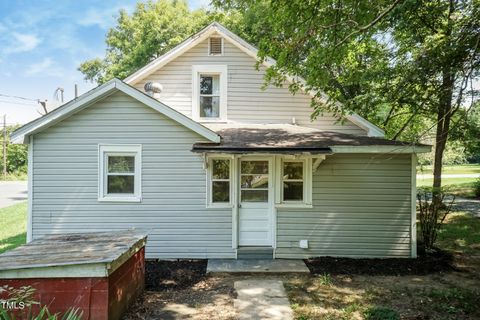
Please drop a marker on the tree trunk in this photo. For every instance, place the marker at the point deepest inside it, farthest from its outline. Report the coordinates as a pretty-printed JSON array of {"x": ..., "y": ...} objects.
[{"x": 444, "y": 116}]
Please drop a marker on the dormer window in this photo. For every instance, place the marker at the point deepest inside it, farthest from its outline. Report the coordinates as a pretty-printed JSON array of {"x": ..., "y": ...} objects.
[
  {"x": 215, "y": 46},
  {"x": 209, "y": 99}
]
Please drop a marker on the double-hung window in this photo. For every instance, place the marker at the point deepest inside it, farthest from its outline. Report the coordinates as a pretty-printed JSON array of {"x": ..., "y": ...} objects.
[
  {"x": 209, "y": 96},
  {"x": 295, "y": 180},
  {"x": 220, "y": 182},
  {"x": 209, "y": 100},
  {"x": 119, "y": 173}
]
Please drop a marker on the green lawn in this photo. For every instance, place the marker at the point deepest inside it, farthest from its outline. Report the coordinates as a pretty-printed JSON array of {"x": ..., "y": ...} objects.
[
  {"x": 460, "y": 233},
  {"x": 462, "y": 187},
  {"x": 457, "y": 169},
  {"x": 13, "y": 226}
]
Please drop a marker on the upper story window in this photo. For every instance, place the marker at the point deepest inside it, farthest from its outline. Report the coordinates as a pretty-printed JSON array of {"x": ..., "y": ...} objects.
[
  {"x": 209, "y": 96},
  {"x": 215, "y": 46},
  {"x": 209, "y": 99}
]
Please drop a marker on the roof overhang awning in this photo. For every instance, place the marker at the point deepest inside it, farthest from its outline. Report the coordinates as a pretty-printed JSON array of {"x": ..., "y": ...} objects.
[{"x": 292, "y": 139}]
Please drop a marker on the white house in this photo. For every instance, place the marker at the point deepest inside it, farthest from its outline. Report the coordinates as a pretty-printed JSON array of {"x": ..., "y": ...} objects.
[{"x": 211, "y": 164}]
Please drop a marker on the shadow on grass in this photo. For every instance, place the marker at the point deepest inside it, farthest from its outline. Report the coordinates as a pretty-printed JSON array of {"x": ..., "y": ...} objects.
[
  {"x": 13, "y": 242},
  {"x": 461, "y": 233}
]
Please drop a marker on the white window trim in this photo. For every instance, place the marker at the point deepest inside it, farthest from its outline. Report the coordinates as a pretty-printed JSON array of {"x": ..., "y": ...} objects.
[
  {"x": 117, "y": 149},
  {"x": 210, "y": 203},
  {"x": 215, "y": 54},
  {"x": 307, "y": 183},
  {"x": 222, "y": 71}
]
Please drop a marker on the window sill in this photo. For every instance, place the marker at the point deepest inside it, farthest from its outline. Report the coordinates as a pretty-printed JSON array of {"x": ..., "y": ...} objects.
[
  {"x": 219, "y": 206},
  {"x": 294, "y": 205},
  {"x": 213, "y": 120},
  {"x": 120, "y": 199}
]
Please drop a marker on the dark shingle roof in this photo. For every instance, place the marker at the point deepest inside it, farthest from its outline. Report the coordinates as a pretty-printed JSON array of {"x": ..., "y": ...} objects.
[{"x": 284, "y": 138}]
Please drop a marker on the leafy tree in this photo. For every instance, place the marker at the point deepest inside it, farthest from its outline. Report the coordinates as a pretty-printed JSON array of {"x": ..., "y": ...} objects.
[
  {"x": 405, "y": 65},
  {"x": 151, "y": 30},
  {"x": 16, "y": 155}
]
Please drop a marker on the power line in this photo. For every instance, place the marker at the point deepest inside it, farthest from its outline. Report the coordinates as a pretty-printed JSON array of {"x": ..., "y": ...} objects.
[
  {"x": 15, "y": 102},
  {"x": 17, "y": 97}
]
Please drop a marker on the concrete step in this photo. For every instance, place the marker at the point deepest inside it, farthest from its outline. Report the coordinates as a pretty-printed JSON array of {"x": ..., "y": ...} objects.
[
  {"x": 256, "y": 266},
  {"x": 255, "y": 253}
]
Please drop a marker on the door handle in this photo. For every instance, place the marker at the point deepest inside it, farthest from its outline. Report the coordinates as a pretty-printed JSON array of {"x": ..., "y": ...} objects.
[{"x": 239, "y": 205}]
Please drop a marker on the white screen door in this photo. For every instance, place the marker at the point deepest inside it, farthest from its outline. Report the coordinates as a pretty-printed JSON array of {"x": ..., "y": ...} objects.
[{"x": 254, "y": 211}]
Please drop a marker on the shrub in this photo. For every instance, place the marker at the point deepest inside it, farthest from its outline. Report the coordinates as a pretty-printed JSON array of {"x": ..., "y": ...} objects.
[
  {"x": 476, "y": 188},
  {"x": 432, "y": 214},
  {"x": 380, "y": 313}
]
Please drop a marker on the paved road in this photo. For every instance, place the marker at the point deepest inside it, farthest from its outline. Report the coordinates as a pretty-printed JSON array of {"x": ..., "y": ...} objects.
[
  {"x": 12, "y": 192},
  {"x": 470, "y": 205}
]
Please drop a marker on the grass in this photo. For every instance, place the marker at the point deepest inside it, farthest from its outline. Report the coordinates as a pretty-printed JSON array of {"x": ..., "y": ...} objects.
[
  {"x": 460, "y": 233},
  {"x": 461, "y": 187},
  {"x": 451, "y": 295},
  {"x": 13, "y": 226},
  {"x": 456, "y": 169},
  {"x": 14, "y": 176}
]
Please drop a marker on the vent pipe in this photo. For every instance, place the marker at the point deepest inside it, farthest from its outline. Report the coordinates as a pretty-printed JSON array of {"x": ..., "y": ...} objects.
[{"x": 153, "y": 89}]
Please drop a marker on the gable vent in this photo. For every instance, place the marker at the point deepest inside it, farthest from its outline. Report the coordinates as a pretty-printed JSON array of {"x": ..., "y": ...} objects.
[{"x": 215, "y": 46}]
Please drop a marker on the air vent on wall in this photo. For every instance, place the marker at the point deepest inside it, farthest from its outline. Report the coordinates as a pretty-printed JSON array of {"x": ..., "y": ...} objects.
[{"x": 215, "y": 46}]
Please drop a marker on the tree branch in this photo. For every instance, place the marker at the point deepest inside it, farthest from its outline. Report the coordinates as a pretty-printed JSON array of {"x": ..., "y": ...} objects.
[{"x": 371, "y": 24}]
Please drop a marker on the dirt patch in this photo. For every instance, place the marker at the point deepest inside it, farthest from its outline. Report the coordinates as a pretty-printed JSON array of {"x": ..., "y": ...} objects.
[
  {"x": 209, "y": 298},
  {"x": 178, "y": 274},
  {"x": 439, "y": 261},
  {"x": 180, "y": 289}
]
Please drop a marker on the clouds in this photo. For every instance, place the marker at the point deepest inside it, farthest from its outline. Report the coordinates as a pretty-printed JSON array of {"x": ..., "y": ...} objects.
[
  {"x": 22, "y": 42},
  {"x": 45, "y": 67},
  {"x": 102, "y": 18}
]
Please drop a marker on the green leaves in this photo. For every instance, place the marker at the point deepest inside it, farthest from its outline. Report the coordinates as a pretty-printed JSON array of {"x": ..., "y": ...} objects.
[{"x": 151, "y": 30}]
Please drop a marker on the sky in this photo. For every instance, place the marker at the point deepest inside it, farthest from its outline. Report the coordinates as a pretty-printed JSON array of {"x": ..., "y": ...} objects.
[{"x": 42, "y": 43}]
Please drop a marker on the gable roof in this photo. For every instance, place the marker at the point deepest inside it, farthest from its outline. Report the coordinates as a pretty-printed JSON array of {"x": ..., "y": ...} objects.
[
  {"x": 20, "y": 135},
  {"x": 215, "y": 27}
]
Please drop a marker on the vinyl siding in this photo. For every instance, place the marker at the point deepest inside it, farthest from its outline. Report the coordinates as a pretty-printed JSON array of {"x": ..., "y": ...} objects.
[
  {"x": 65, "y": 183},
  {"x": 361, "y": 208},
  {"x": 246, "y": 101}
]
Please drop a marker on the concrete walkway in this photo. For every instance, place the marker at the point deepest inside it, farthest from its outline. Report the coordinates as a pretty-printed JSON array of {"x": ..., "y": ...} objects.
[
  {"x": 12, "y": 192},
  {"x": 256, "y": 266},
  {"x": 262, "y": 299}
]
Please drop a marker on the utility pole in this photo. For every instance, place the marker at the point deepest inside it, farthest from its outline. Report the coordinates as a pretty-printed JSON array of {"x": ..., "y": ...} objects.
[{"x": 5, "y": 147}]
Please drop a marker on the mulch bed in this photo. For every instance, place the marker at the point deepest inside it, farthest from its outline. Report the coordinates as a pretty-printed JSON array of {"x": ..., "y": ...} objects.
[
  {"x": 163, "y": 275},
  {"x": 426, "y": 263}
]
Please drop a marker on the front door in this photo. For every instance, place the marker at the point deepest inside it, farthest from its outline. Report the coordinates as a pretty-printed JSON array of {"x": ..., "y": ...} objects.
[{"x": 255, "y": 222}]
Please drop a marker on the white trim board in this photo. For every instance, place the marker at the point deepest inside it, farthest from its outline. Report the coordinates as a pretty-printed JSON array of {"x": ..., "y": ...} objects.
[
  {"x": 381, "y": 149},
  {"x": 216, "y": 28},
  {"x": 30, "y": 191},
  {"x": 21, "y": 135},
  {"x": 413, "y": 218}
]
